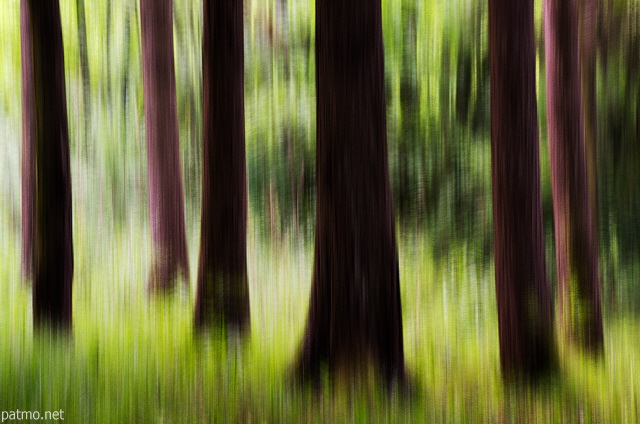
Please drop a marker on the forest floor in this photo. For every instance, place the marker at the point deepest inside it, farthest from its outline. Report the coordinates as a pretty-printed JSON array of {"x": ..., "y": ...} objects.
[{"x": 133, "y": 359}]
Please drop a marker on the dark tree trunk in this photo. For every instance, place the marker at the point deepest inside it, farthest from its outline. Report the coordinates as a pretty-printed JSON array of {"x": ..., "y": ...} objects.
[
  {"x": 588, "y": 46},
  {"x": 525, "y": 312},
  {"x": 166, "y": 202},
  {"x": 50, "y": 189},
  {"x": 588, "y": 36},
  {"x": 354, "y": 314},
  {"x": 223, "y": 292},
  {"x": 28, "y": 143},
  {"x": 576, "y": 250}
]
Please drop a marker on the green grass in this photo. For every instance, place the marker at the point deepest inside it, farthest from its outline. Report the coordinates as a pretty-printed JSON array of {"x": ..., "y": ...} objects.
[{"x": 132, "y": 358}]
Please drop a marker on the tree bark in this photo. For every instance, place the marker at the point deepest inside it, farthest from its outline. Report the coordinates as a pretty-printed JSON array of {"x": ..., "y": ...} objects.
[
  {"x": 28, "y": 143},
  {"x": 588, "y": 16},
  {"x": 166, "y": 201},
  {"x": 525, "y": 312},
  {"x": 588, "y": 65},
  {"x": 223, "y": 292},
  {"x": 576, "y": 249},
  {"x": 354, "y": 314},
  {"x": 47, "y": 163}
]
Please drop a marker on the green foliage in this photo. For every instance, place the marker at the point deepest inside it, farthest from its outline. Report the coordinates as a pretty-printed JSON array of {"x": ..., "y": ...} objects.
[{"x": 618, "y": 151}]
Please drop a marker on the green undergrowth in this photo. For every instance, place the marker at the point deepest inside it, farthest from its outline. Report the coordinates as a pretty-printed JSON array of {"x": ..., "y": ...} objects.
[{"x": 132, "y": 358}]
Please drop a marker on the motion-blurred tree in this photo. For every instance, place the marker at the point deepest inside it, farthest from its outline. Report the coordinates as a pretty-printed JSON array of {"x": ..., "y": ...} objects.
[
  {"x": 28, "y": 142},
  {"x": 84, "y": 68},
  {"x": 525, "y": 313},
  {"x": 576, "y": 250},
  {"x": 354, "y": 316},
  {"x": 587, "y": 36},
  {"x": 47, "y": 177},
  {"x": 223, "y": 292},
  {"x": 166, "y": 200}
]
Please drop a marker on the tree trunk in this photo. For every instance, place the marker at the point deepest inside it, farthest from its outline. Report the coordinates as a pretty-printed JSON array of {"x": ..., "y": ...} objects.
[
  {"x": 354, "y": 314},
  {"x": 525, "y": 312},
  {"x": 28, "y": 143},
  {"x": 588, "y": 48},
  {"x": 107, "y": 49},
  {"x": 50, "y": 188},
  {"x": 125, "y": 75},
  {"x": 166, "y": 202},
  {"x": 223, "y": 292},
  {"x": 576, "y": 250},
  {"x": 84, "y": 70}
]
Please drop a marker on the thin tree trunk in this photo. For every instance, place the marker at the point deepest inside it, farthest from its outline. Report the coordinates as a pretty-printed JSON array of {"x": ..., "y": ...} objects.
[
  {"x": 588, "y": 65},
  {"x": 51, "y": 195},
  {"x": 576, "y": 250},
  {"x": 354, "y": 314},
  {"x": 128, "y": 11},
  {"x": 525, "y": 312},
  {"x": 166, "y": 201},
  {"x": 223, "y": 292},
  {"x": 28, "y": 143},
  {"x": 84, "y": 68},
  {"x": 107, "y": 53}
]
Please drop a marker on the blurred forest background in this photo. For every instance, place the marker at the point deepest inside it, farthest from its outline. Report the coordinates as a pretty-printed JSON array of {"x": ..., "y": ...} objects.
[{"x": 132, "y": 359}]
